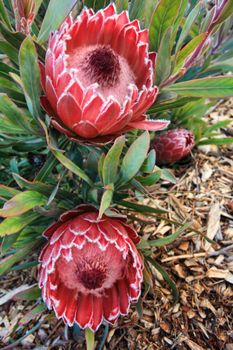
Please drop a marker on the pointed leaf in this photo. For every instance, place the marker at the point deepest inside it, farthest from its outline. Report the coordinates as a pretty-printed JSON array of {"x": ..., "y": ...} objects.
[
  {"x": 21, "y": 203},
  {"x": 90, "y": 339},
  {"x": 135, "y": 157},
  {"x": 32, "y": 314},
  {"x": 142, "y": 10},
  {"x": 213, "y": 87},
  {"x": 161, "y": 242},
  {"x": 163, "y": 61},
  {"x": 30, "y": 75},
  {"x": 106, "y": 200},
  {"x": 111, "y": 161},
  {"x": 12, "y": 225},
  {"x": 55, "y": 14}
]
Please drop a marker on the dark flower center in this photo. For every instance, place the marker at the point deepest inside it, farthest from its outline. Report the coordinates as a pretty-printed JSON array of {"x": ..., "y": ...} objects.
[
  {"x": 102, "y": 66},
  {"x": 92, "y": 279}
]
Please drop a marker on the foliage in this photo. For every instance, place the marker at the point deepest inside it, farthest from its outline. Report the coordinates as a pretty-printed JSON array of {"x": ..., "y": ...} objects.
[{"x": 43, "y": 173}]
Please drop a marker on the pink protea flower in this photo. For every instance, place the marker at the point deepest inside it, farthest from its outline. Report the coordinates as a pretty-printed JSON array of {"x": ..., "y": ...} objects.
[
  {"x": 24, "y": 11},
  {"x": 173, "y": 145},
  {"x": 98, "y": 76},
  {"x": 90, "y": 269}
]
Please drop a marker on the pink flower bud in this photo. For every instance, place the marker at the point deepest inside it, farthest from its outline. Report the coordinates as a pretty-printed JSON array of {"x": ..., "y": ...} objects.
[
  {"x": 173, "y": 145},
  {"x": 24, "y": 11}
]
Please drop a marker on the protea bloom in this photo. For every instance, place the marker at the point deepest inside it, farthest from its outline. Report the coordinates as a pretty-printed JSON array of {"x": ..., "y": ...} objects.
[
  {"x": 173, "y": 145},
  {"x": 98, "y": 76},
  {"x": 90, "y": 269},
  {"x": 24, "y": 11}
]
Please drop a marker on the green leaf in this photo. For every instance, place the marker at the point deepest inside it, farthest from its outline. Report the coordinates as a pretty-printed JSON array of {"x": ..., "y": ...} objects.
[
  {"x": 135, "y": 157},
  {"x": 96, "y": 4},
  {"x": 71, "y": 166},
  {"x": 8, "y": 242},
  {"x": 217, "y": 141},
  {"x": 47, "y": 168},
  {"x": 169, "y": 239},
  {"x": 167, "y": 175},
  {"x": 163, "y": 61},
  {"x": 106, "y": 200},
  {"x": 90, "y": 339},
  {"x": 163, "y": 18},
  {"x": 188, "y": 49},
  {"x": 166, "y": 277},
  {"x": 111, "y": 161},
  {"x": 160, "y": 107},
  {"x": 142, "y": 10},
  {"x": 32, "y": 293},
  {"x": 8, "y": 192},
  {"x": 14, "y": 114},
  {"x": 188, "y": 25},
  {"x": 150, "y": 179},
  {"x": 212, "y": 87},
  {"x": 149, "y": 163},
  {"x": 121, "y": 5},
  {"x": 7, "y": 49},
  {"x": 11, "y": 89},
  {"x": 32, "y": 314},
  {"x": 140, "y": 207},
  {"x": 100, "y": 166},
  {"x": 3, "y": 15},
  {"x": 8, "y": 262},
  {"x": 55, "y": 15},
  {"x": 30, "y": 75},
  {"x": 21, "y": 203},
  {"x": 12, "y": 225}
]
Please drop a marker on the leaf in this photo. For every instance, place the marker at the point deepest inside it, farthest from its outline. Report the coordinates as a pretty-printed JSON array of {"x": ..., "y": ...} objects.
[
  {"x": 111, "y": 161},
  {"x": 32, "y": 314},
  {"x": 55, "y": 15},
  {"x": 212, "y": 87},
  {"x": 135, "y": 157},
  {"x": 21, "y": 203},
  {"x": 12, "y": 225},
  {"x": 8, "y": 242},
  {"x": 8, "y": 262},
  {"x": 188, "y": 49},
  {"x": 100, "y": 166},
  {"x": 167, "y": 175},
  {"x": 163, "y": 18},
  {"x": 149, "y": 163},
  {"x": 71, "y": 166},
  {"x": 227, "y": 12},
  {"x": 150, "y": 179},
  {"x": 3, "y": 15},
  {"x": 9, "y": 50},
  {"x": 161, "y": 242},
  {"x": 166, "y": 277},
  {"x": 14, "y": 114},
  {"x": 47, "y": 168},
  {"x": 121, "y": 5},
  {"x": 90, "y": 339},
  {"x": 160, "y": 107},
  {"x": 106, "y": 200},
  {"x": 217, "y": 141},
  {"x": 142, "y": 10},
  {"x": 163, "y": 60},
  {"x": 30, "y": 75},
  {"x": 140, "y": 208},
  {"x": 8, "y": 192},
  {"x": 188, "y": 25},
  {"x": 31, "y": 293}
]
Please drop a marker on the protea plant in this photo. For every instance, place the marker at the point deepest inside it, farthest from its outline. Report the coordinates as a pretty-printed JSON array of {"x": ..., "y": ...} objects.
[{"x": 81, "y": 88}]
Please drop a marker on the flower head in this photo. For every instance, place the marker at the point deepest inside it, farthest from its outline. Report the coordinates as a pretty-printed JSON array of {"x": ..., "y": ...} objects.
[
  {"x": 173, "y": 145},
  {"x": 90, "y": 269},
  {"x": 98, "y": 76}
]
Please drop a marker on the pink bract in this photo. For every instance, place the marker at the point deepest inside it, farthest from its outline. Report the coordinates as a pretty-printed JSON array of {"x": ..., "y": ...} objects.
[
  {"x": 90, "y": 269},
  {"x": 98, "y": 76},
  {"x": 173, "y": 145}
]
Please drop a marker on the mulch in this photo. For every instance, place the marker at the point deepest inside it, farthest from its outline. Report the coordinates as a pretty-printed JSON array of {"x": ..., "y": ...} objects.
[{"x": 202, "y": 318}]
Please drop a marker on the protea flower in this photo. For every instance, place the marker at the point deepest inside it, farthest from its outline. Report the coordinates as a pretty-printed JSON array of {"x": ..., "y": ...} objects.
[
  {"x": 173, "y": 145},
  {"x": 24, "y": 11},
  {"x": 90, "y": 269},
  {"x": 98, "y": 76}
]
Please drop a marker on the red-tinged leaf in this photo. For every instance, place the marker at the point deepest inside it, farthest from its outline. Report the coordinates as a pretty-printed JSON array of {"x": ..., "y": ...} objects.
[{"x": 21, "y": 203}]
